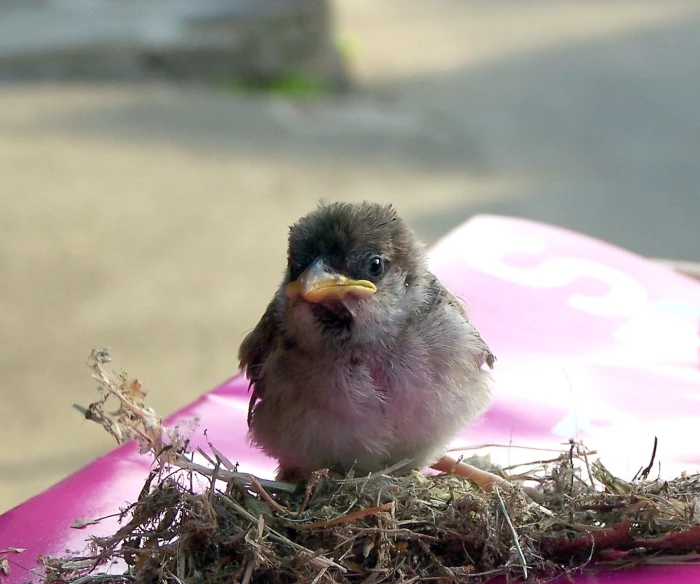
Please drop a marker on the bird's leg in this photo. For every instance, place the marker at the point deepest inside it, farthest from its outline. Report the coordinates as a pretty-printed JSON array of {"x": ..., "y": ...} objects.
[
  {"x": 484, "y": 479},
  {"x": 291, "y": 474}
]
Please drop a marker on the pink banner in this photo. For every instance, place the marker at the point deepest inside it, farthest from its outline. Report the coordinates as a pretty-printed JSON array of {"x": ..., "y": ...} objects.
[{"x": 593, "y": 343}]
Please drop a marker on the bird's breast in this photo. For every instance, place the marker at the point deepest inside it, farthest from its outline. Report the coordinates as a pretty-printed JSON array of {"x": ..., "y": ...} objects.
[{"x": 355, "y": 387}]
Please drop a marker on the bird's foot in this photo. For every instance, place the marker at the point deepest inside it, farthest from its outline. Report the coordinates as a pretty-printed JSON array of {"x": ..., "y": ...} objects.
[{"x": 484, "y": 479}]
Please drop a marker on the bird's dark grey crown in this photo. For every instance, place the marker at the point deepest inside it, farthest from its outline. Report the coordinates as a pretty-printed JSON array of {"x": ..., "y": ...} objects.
[{"x": 347, "y": 235}]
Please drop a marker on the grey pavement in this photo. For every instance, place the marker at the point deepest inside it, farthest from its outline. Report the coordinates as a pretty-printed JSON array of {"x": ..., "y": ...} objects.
[{"x": 151, "y": 217}]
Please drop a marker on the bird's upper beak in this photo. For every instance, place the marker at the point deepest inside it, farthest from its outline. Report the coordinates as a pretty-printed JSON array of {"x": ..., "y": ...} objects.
[{"x": 318, "y": 284}]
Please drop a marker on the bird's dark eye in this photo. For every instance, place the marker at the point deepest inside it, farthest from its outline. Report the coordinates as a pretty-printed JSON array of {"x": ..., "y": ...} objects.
[
  {"x": 295, "y": 269},
  {"x": 375, "y": 267}
]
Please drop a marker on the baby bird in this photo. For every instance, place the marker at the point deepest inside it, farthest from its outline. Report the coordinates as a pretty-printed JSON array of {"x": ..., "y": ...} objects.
[{"x": 362, "y": 358}]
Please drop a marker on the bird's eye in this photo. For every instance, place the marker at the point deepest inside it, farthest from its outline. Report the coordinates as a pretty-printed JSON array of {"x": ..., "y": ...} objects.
[
  {"x": 295, "y": 269},
  {"x": 375, "y": 266}
]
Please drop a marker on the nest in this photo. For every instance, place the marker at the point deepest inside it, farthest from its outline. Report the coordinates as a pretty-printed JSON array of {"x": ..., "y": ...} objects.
[{"x": 213, "y": 523}]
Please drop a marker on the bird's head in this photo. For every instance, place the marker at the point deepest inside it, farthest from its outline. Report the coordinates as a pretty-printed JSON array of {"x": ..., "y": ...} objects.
[{"x": 353, "y": 271}]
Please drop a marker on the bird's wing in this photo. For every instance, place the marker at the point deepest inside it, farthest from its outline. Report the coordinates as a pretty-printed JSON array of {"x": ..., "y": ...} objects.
[
  {"x": 255, "y": 349},
  {"x": 445, "y": 295}
]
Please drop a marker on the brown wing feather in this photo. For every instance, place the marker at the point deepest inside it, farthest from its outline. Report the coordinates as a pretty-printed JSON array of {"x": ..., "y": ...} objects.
[
  {"x": 255, "y": 348},
  {"x": 452, "y": 300}
]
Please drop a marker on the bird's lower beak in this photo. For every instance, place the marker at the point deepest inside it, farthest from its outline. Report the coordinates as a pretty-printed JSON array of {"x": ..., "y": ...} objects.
[{"x": 317, "y": 284}]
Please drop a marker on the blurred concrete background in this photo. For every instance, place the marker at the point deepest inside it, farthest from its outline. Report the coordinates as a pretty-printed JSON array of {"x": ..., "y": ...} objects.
[{"x": 151, "y": 216}]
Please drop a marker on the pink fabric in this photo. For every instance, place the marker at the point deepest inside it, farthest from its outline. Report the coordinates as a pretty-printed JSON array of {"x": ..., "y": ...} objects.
[{"x": 593, "y": 343}]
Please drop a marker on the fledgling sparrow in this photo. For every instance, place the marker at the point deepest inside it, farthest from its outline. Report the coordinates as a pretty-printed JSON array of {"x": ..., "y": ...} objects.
[{"x": 362, "y": 358}]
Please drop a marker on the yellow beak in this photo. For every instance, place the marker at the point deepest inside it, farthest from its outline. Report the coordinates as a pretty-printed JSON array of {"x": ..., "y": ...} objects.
[{"x": 317, "y": 284}]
